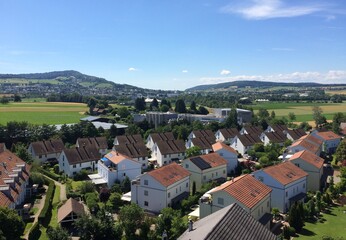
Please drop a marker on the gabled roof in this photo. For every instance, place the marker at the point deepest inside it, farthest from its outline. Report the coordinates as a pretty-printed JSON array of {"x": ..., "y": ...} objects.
[
  {"x": 276, "y": 137},
  {"x": 133, "y": 150},
  {"x": 71, "y": 205},
  {"x": 245, "y": 189},
  {"x": 249, "y": 139},
  {"x": 98, "y": 142},
  {"x": 312, "y": 139},
  {"x": 231, "y": 222},
  {"x": 285, "y": 173},
  {"x": 162, "y": 136},
  {"x": 328, "y": 135},
  {"x": 254, "y": 130},
  {"x": 171, "y": 146},
  {"x": 116, "y": 157},
  {"x": 48, "y": 147},
  {"x": 203, "y": 142},
  {"x": 82, "y": 154},
  {"x": 279, "y": 128},
  {"x": 203, "y": 133},
  {"x": 308, "y": 157},
  {"x": 306, "y": 145},
  {"x": 208, "y": 161},
  {"x": 229, "y": 132},
  {"x": 219, "y": 145},
  {"x": 12, "y": 168},
  {"x": 126, "y": 139},
  {"x": 169, "y": 174},
  {"x": 296, "y": 133}
]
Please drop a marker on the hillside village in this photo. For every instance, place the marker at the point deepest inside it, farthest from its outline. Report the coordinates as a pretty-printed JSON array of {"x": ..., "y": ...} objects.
[{"x": 171, "y": 185}]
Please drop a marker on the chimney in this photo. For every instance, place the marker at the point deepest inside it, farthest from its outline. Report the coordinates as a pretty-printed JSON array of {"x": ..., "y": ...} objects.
[
  {"x": 232, "y": 179},
  {"x": 190, "y": 225}
]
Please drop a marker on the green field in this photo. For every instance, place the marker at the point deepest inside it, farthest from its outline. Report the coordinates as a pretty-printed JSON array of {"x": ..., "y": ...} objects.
[
  {"x": 334, "y": 225},
  {"x": 42, "y": 112}
]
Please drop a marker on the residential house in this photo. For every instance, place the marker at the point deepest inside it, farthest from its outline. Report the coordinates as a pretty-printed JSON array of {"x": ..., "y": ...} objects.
[
  {"x": 72, "y": 161},
  {"x": 289, "y": 184},
  {"x": 229, "y": 154},
  {"x": 201, "y": 134},
  {"x": 160, "y": 188},
  {"x": 167, "y": 151},
  {"x": 242, "y": 143},
  {"x": 99, "y": 142},
  {"x": 204, "y": 143},
  {"x": 273, "y": 137},
  {"x": 206, "y": 168},
  {"x": 127, "y": 139},
  {"x": 330, "y": 140},
  {"x": 115, "y": 167},
  {"x": 253, "y": 130},
  {"x": 69, "y": 212},
  {"x": 249, "y": 193},
  {"x": 307, "y": 142},
  {"x": 295, "y": 134},
  {"x": 276, "y": 128},
  {"x": 136, "y": 151},
  {"x": 231, "y": 222},
  {"x": 343, "y": 128},
  {"x": 46, "y": 150},
  {"x": 155, "y": 137},
  {"x": 14, "y": 181},
  {"x": 311, "y": 164},
  {"x": 226, "y": 135}
]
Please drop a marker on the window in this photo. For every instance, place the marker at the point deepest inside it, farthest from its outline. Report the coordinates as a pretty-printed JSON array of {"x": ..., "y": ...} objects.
[
  {"x": 80, "y": 164},
  {"x": 143, "y": 158},
  {"x": 224, "y": 171},
  {"x": 145, "y": 193},
  {"x": 212, "y": 175},
  {"x": 143, "y": 165},
  {"x": 297, "y": 164},
  {"x": 145, "y": 182},
  {"x": 74, "y": 166},
  {"x": 146, "y": 203},
  {"x": 221, "y": 154},
  {"x": 124, "y": 174},
  {"x": 304, "y": 185},
  {"x": 216, "y": 173},
  {"x": 176, "y": 190},
  {"x": 187, "y": 185},
  {"x": 267, "y": 204},
  {"x": 220, "y": 201},
  {"x": 63, "y": 164},
  {"x": 165, "y": 156},
  {"x": 169, "y": 195},
  {"x": 186, "y": 165},
  {"x": 179, "y": 188},
  {"x": 204, "y": 177},
  {"x": 286, "y": 194}
]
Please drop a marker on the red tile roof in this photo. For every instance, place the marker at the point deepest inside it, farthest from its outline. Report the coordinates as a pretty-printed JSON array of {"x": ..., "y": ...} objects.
[
  {"x": 219, "y": 145},
  {"x": 169, "y": 174},
  {"x": 116, "y": 157},
  {"x": 307, "y": 145},
  {"x": 309, "y": 158},
  {"x": 245, "y": 189},
  {"x": 285, "y": 172},
  {"x": 329, "y": 135},
  {"x": 70, "y": 206}
]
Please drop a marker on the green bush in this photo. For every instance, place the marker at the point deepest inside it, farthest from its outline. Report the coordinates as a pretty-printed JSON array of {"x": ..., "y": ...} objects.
[
  {"x": 54, "y": 176},
  {"x": 35, "y": 232},
  {"x": 46, "y": 210}
]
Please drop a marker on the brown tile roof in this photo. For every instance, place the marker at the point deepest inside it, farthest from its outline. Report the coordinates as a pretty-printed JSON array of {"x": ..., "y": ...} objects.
[
  {"x": 116, "y": 158},
  {"x": 48, "y": 147},
  {"x": 245, "y": 189},
  {"x": 285, "y": 172},
  {"x": 279, "y": 128},
  {"x": 229, "y": 132},
  {"x": 11, "y": 165},
  {"x": 249, "y": 139},
  {"x": 312, "y": 139},
  {"x": 171, "y": 146},
  {"x": 162, "y": 136},
  {"x": 98, "y": 142},
  {"x": 70, "y": 206},
  {"x": 133, "y": 150},
  {"x": 203, "y": 133},
  {"x": 276, "y": 137},
  {"x": 126, "y": 139},
  {"x": 219, "y": 145},
  {"x": 296, "y": 133},
  {"x": 82, "y": 154},
  {"x": 208, "y": 161},
  {"x": 169, "y": 174},
  {"x": 203, "y": 142},
  {"x": 308, "y": 157},
  {"x": 329, "y": 135},
  {"x": 254, "y": 130}
]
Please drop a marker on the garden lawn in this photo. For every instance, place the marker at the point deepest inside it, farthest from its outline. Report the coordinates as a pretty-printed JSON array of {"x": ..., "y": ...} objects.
[
  {"x": 333, "y": 226},
  {"x": 75, "y": 185}
]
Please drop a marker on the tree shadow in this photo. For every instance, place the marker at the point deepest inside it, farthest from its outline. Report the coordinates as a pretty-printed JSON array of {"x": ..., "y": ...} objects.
[{"x": 306, "y": 232}]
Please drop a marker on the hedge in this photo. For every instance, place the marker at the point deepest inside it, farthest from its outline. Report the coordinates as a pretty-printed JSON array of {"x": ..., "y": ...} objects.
[
  {"x": 54, "y": 176},
  {"x": 34, "y": 233},
  {"x": 46, "y": 210}
]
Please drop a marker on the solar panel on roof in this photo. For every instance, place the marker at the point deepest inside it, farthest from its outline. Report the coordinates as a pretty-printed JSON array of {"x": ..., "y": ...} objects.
[{"x": 200, "y": 163}]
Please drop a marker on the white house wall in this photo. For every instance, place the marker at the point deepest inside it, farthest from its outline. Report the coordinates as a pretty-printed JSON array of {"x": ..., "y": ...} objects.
[{"x": 231, "y": 158}]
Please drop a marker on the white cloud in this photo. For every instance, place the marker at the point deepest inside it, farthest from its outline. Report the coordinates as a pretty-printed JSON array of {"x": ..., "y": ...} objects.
[
  {"x": 185, "y": 71},
  {"x": 330, "y": 18},
  {"x": 266, "y": 9},
  {"x": 132, "y": 69},
  {"x": 332, "y": 76},
  {"x": 225, "y": 72}
]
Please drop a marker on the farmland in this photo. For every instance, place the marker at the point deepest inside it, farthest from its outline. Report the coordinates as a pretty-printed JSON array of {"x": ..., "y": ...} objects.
[{"x": 42, "y": 112}]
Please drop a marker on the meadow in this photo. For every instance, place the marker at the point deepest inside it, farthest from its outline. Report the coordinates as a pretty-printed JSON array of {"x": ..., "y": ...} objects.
[{"x": 42, "y": 112}]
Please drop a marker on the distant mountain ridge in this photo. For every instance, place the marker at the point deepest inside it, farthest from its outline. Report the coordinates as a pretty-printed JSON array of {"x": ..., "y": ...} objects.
[{"x": 257, "y": 84}]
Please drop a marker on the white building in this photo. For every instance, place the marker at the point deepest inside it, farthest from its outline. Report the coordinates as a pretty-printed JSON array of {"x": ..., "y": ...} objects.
[
  {"x": 100, "y": 143},
  {"x": 206, "y": 168},
  {"x": 160, "y": 188},
  {"x": 155, "y": 137},
  {"x": 330, "y": 140},
  {"x": 204, "y": 143},
  {"x": 229, "y": 154},
  {"x": 115, "y": 167},
  {"x": 243, "y": 143},
  {"x": 226, "y": 135},
  {"x": 167, "y": 151},
  {"x": 289, "y": 184},
  {"x": 273, "y": 137}
]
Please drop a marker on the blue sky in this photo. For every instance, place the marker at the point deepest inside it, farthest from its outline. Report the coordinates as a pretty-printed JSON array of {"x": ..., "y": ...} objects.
[{"x": 164, "y": 44}]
